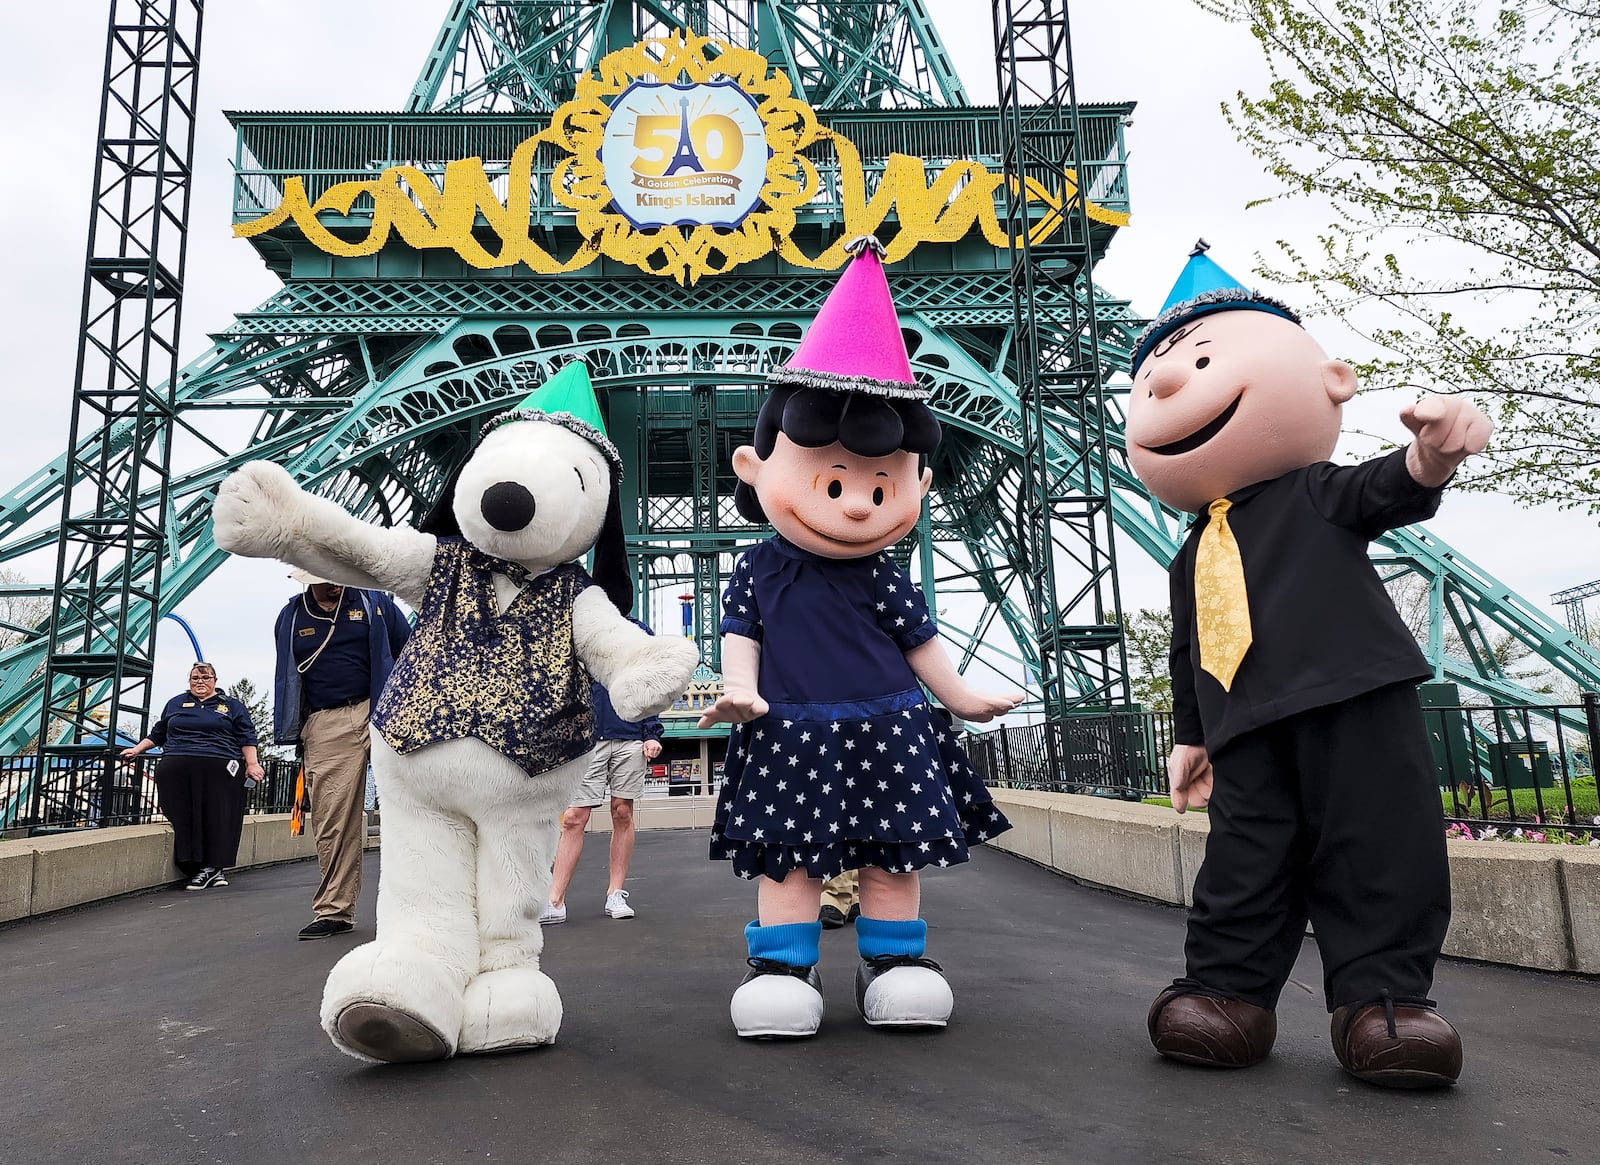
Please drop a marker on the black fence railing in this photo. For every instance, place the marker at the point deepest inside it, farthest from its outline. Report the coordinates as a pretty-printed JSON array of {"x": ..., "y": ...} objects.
[
  {"x": 1525, "y": 766},
  {"x": 1108, "y": 754},
  {"x": 1522, "y": 766},
  {"x": 100, "y": 789},
  {"x": 1519, "y": 766}
]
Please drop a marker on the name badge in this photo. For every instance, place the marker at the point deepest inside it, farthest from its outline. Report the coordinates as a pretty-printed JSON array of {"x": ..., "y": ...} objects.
[
  {"x": 305, "y": 631},
  {"x": 189, "y": 704}
]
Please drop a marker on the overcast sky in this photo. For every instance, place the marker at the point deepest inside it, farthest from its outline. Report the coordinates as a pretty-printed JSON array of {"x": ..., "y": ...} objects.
[{"x": 1188, "y": 177}]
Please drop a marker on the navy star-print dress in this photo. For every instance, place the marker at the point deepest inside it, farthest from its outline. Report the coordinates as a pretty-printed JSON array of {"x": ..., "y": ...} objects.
[{"x": 850, "y": 767}]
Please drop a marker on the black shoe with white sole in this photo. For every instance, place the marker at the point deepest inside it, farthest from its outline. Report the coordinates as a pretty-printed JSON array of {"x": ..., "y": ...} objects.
[
  {"x": 206, "y": 878},
  {"x": 903, "y": 991}
]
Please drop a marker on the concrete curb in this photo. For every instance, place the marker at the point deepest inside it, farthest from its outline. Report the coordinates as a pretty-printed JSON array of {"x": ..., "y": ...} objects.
[
  {"x": 1524, "y": 905},
  {"x": 40, "y": 875}
]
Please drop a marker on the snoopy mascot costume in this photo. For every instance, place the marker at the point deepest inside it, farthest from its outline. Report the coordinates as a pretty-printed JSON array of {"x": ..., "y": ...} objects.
[{"x": 479, "y": 739}]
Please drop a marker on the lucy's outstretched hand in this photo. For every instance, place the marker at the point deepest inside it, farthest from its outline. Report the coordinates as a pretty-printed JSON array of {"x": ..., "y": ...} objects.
[
  {"x": 735, "y": 707},
  {"x": 981, "y": 707}
]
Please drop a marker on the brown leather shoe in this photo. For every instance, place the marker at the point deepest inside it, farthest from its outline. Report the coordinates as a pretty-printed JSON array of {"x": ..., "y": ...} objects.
[
  {"x": 1396, "y": 1045},
  {"x": 1210, "y": 1029}
]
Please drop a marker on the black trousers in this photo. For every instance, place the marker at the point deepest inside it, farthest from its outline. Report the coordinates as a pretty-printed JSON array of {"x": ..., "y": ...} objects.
[
  {"x": 205, "y": 804},
  {"x": 1332, "y": 815}
]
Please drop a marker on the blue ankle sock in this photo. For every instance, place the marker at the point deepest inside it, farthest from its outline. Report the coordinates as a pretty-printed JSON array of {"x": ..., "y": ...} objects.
[
  {"x": 885, "y": 936},
  {"x": 797, "y": 943}
]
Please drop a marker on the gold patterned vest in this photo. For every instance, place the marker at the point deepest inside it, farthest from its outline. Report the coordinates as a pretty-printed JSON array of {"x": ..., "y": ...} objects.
[{"x": 511, "y": 680}]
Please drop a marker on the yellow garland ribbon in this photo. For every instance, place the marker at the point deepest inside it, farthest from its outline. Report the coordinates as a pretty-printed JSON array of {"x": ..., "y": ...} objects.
[{"x": 407, "y": 202}]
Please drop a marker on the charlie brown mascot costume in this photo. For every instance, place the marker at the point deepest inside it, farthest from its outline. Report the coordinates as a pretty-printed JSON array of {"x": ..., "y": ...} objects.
[{"x": 1294, "y": 687}]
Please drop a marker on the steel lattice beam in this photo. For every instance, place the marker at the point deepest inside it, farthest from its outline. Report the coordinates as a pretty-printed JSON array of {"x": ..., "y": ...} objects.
[
  {"x": 1057, "y": 373},
  {"x": 388, "y": 444},
  {"x": 111, "y": 540},
  {"x": 524, "y": 55},
  {"x": 368, "y": 389}
]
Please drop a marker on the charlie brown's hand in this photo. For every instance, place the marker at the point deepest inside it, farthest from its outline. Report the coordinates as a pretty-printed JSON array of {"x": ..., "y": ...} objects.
[
  {"x": 734, "y": 708},
  {"x": 1189, "y": 777},
  {"x": 1448, "y": 430}
]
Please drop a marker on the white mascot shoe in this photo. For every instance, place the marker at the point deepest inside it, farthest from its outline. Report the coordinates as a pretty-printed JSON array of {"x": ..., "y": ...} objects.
[
  {"x": 777, "y": 1001},
  {"x": 902, "y": 991},
  {"x": 509, "y": 1010}
]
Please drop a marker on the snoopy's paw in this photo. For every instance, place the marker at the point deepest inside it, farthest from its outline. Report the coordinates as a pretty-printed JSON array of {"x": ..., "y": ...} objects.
[
  {"x": 509, "y": 1010},
  {"x": 655, "y": 675},
  {"x": 254, "y": 510}
]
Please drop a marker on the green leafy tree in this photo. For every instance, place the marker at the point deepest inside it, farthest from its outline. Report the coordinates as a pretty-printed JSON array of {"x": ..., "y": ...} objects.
[
  {"x": 260, "y": 709},
  {"x": 1514, "y": 658},
  {"x": 1455, "y": 141},
  {"x": 1149, "y": 640},
  {"x": 19, "y": 613}
]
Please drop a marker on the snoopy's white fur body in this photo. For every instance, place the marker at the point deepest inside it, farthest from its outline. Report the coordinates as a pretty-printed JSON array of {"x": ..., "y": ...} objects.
[{"x": 468, "y": 837}]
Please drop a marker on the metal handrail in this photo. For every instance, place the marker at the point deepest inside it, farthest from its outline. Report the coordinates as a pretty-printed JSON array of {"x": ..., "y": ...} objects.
[{"x": 1499, "y": 768}]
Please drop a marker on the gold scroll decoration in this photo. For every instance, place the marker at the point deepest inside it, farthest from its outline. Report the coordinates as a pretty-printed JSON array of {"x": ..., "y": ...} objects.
[{"x": 406, "y": 201}]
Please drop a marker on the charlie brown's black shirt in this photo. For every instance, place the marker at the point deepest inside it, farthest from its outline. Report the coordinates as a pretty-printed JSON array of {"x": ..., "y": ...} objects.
[{"x": 1323, "y": 629}]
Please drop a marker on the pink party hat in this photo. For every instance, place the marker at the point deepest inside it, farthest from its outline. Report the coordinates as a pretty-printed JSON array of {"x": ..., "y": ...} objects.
[{"x": 854, "y": 344}]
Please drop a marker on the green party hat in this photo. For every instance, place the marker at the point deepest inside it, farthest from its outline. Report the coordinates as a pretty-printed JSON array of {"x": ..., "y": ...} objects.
[{"x": 566, "y": 399}]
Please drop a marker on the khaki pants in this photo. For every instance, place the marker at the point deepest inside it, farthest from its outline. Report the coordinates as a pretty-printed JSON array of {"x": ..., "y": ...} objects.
[
  {"x": 335, "y": 744},
  {"x": 842, "y": 892}
]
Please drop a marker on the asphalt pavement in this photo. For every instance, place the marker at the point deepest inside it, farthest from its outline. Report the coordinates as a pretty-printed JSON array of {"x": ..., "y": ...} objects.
[{"x": 182, "y": 1027}]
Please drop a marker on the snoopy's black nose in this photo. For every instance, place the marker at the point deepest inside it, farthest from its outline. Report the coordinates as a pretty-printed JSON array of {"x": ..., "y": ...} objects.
[{"x": 507, "y": 506}]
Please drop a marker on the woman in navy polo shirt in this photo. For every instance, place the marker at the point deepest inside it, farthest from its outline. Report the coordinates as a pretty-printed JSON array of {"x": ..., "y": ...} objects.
[{"x": 208, "y": 745}]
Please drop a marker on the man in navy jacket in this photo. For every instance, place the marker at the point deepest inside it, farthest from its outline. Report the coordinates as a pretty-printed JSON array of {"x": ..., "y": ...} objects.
[{"x": 335, "y": 648}]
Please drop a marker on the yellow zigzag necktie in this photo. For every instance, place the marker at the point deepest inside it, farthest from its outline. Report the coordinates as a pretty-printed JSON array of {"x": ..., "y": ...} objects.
[{"x": 1221, "y": 607}]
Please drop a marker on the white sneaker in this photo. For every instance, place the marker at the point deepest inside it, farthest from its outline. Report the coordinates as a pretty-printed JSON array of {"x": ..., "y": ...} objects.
[
  {"x": 616, "y": 905},
  {"x": 552, "y": 913}
]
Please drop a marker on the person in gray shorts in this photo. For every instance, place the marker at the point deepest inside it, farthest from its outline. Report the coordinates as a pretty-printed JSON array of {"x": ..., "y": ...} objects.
[{"x": 623, "y": 750}]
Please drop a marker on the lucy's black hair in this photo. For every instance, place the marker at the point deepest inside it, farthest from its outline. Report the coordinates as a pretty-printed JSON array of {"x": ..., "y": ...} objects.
[{"x": 866, "y": 425}]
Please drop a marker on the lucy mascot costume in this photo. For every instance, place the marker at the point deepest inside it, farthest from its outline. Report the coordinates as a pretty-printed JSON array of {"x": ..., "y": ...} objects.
[
  {"x": 836, "y": 760},
  {"x": 480, "y": 737},
  {"x": 1294, "y": 687}
]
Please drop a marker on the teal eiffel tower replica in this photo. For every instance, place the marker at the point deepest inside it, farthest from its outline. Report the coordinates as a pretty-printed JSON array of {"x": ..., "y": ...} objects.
[{"x": 367, "y": 374}]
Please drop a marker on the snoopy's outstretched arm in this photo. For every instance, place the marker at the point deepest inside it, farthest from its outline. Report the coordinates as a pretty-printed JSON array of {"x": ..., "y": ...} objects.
[
  {"x": 642, "y": 673},
  {"x": 261, "y": 513}
]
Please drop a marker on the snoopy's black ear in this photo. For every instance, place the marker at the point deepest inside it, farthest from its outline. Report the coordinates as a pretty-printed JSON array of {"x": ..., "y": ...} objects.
[
  {"x": 441, "y": 520},
  {"x": 611, "y": 556}
]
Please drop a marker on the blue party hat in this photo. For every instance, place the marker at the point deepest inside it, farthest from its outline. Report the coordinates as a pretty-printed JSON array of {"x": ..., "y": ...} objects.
[{"x": 1203, "y": 287}]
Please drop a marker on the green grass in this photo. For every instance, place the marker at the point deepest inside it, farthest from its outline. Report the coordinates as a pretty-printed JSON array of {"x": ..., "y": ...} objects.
[
  {"x": 1585, "y": 803},
  {"x": 1166, "y": 802}
]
